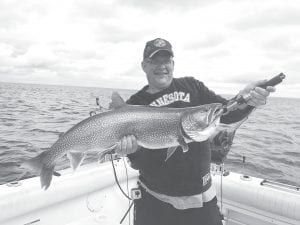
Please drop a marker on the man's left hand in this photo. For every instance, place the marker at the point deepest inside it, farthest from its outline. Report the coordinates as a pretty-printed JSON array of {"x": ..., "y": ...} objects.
[{"x": 258, "y": 95}]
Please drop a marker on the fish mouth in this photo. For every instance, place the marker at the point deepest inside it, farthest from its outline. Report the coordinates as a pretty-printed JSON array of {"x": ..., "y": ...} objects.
[{"x": 215, "y": 113}]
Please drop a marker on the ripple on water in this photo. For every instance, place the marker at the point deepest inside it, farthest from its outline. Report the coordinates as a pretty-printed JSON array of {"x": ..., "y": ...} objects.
[
  {"x": 270, "y": 134},
  {"x": 45, "y": 131}
]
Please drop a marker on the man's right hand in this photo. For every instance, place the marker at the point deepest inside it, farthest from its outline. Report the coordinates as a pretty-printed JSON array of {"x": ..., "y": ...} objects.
[{"x": 127, "y": 145}]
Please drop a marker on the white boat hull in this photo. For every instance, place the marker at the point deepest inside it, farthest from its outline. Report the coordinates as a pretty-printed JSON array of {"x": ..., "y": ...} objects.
[{"x": 91, "y": 196}]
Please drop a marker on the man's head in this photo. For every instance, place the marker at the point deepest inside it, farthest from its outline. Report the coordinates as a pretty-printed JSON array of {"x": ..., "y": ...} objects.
[{"x": 158, "y": 64}]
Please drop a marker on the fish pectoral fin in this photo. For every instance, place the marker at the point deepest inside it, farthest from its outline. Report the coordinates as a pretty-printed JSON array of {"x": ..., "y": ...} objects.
[
  {"x": 183, "y": 144},
  {"x": 76, "y": 159},
  {"x": 116, "y": 101},
  {"x": 170, "y": 152}
]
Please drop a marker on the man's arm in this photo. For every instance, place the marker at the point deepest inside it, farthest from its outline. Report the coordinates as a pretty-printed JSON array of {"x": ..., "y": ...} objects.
[
  {"x": 221, "y": 144},
  {"x": 258, "y": 97}
]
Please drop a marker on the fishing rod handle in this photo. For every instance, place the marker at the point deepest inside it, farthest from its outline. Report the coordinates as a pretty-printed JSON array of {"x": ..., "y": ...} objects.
[
  {"x": 272, "y": 82},
  {"x": 242, "y": 99}
]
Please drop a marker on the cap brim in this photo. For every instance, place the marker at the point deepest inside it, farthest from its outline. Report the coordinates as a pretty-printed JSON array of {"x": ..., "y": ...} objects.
[{"x": 161, "y": 49}]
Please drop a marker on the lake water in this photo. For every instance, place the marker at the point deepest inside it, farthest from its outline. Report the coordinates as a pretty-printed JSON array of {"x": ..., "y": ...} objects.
[{"x": 33, "y": 116}]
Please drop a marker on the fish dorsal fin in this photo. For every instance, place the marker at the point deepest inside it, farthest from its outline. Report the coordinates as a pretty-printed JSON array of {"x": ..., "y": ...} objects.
[
  {"x": 76, "y": 159},
  {"x": 116, "y": 101}
]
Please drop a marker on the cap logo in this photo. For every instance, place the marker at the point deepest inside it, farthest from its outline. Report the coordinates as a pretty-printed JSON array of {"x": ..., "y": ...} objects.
[{"x": 159, "y": 43}]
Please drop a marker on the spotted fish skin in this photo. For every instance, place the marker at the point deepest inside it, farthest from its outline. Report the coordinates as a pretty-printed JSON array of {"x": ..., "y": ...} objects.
[{"x": 153, "y": 127}]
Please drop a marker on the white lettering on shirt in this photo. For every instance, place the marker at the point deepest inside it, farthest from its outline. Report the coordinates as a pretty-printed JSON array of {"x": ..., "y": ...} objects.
[{"x": 168, "y": 99}]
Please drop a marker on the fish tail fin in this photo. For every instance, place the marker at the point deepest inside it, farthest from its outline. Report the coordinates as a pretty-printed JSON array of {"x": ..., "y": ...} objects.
[
  {"x": 36, "y": 166},
  {"x": 46, "y": 176}
]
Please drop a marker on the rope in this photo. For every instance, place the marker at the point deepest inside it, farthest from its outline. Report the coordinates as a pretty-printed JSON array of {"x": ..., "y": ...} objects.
[
  {"x": 116, "y": 178},
  {"x": 127, "y": 185}
]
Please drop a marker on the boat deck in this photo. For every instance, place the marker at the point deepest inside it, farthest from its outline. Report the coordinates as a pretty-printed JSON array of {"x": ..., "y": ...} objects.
[{"x": 91, "y": 196}]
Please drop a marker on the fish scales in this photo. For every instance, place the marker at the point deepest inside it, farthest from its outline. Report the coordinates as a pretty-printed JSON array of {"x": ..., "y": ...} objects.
[
  {"x": 153, "y": 127},
  {"x": 105, "y": 129}
]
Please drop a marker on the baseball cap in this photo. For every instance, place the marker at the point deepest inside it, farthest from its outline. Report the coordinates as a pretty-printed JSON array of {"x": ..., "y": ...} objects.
[{"x": 156, "y": 45}]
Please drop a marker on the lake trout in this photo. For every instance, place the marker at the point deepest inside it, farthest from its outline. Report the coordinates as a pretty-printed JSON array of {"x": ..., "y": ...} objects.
[{"x": 153, "y": 127}]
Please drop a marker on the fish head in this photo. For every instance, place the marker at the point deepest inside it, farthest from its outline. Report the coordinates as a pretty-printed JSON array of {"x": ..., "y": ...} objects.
[{"x": 200, "y": 122}]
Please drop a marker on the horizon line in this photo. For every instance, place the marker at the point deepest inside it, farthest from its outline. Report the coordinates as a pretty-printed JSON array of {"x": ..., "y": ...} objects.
[{"x": 126, "y": 89}]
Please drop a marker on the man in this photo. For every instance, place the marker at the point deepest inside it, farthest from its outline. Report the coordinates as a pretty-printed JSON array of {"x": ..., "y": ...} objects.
[{"x": 179, "y": 190}]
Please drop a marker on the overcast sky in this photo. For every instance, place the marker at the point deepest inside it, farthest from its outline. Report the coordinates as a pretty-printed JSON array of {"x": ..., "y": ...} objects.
[{"x": 224, "y": 43}]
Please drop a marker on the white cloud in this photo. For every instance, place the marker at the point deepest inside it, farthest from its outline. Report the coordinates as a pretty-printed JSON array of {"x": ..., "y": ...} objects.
[
  {"x": 269, "y": 14},
  {"x": 99, "y": 43},
  {"x": 166, "y": 5}
]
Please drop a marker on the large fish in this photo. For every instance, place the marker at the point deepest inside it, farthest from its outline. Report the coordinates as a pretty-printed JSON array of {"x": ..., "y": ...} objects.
[{"x": 153, "y": 127}]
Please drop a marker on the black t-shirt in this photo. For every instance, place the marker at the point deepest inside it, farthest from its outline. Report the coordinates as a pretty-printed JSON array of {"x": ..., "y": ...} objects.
[{"x": 187, "y": 173}]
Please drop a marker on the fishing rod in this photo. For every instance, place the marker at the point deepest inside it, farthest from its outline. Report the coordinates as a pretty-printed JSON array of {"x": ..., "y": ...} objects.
[
  {"x": 233, "y": 105},
  {"x": 243, "y": 99}
]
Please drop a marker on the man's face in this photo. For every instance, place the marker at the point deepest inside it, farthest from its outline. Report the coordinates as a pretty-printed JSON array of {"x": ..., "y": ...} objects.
[{"x": 159, "y": 70}]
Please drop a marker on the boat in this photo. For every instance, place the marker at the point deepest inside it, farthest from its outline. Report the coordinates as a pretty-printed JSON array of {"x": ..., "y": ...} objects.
[{"x": 91, "y": 196}]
